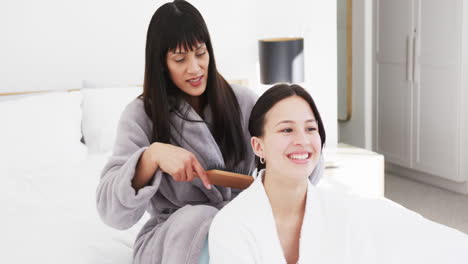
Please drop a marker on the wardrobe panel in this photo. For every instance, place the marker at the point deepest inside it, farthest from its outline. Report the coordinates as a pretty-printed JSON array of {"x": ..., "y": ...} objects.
[
  {"x": 394, "y": 114},
  {"x": 395, "y": 23},
  {"x": 436, "y": 126},
  {"x": 440, "y": 33}
]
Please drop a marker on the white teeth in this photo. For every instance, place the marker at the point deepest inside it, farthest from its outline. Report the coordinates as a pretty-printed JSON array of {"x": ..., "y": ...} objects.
[
  {"x": 299, "y": 156},
  {"x": 196, "y": 80}
]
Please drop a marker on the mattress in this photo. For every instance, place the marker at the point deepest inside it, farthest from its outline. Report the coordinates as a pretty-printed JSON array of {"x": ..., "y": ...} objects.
[{"x": 50, "y": 216}]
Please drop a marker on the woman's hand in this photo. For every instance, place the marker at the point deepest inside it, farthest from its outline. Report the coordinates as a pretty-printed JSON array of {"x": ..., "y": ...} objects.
[{"x": 180, "y": 163}]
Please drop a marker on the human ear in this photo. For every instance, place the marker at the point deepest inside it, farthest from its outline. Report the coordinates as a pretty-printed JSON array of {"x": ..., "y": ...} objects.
[{"x": 257, "y": 146}]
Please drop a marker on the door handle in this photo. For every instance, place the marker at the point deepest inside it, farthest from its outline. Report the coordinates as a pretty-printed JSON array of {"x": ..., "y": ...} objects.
[
  {"x": 409, "y": 58},
  {"x": 415, "y": 62}
]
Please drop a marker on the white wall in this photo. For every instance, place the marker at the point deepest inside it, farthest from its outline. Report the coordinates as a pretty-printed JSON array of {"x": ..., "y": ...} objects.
[
  {"x": 53, "y": 44},
  {"x": 358, "y": 131}
]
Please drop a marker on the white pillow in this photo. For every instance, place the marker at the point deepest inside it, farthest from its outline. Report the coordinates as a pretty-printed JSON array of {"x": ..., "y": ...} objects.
[
  {"x": 40, "y": 130},
  {"x": 102, "y": 108}
]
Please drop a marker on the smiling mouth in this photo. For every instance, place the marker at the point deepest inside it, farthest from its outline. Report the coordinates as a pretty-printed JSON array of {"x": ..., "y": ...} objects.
[
  {"x": 303, "y": 156},
  {"x": 194, "y": 80}
]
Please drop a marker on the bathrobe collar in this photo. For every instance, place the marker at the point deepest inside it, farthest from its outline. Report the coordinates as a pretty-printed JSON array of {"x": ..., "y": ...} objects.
[{"x": 309, "y": 241}]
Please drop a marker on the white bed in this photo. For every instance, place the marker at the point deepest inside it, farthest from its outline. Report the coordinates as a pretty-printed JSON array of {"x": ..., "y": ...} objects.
[
  {"x": 50, "y": 217},
  {"x": 49, "y": 178}
]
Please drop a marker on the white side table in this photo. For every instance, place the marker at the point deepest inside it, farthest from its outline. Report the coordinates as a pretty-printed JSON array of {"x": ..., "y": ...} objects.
[{"x": 354, "y": 170}]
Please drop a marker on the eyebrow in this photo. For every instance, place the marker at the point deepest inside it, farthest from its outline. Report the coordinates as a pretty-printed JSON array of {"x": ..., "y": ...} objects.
[
  {"x": 185, "y": 52},
  {"x": 292, "y": 122}
]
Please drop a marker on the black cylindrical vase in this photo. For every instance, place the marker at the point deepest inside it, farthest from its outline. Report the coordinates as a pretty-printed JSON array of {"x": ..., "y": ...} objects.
[{"x": 281, "y": 60}]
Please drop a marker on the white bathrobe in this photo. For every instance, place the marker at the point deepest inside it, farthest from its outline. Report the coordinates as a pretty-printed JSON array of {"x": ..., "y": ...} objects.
[{"x": 337, "y": 228}]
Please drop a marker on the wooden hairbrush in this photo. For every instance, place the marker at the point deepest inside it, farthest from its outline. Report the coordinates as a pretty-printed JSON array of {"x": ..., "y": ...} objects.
[{"x": 237, "y": 180}]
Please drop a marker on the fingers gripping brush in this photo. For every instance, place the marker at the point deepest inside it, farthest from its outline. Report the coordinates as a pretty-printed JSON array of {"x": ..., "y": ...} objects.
[{"x": 236, "y": 178}]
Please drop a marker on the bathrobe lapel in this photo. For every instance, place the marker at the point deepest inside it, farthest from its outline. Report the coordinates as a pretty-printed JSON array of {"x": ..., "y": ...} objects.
[{"x": 311, "y": 238}]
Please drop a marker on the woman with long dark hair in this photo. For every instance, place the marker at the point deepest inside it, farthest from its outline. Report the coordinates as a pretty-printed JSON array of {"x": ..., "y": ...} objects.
[{"x": 187, "y": 120}]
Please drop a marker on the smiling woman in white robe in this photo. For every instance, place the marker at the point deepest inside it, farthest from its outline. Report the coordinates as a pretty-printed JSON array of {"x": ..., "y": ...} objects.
[{"x": 282, "y": 218}]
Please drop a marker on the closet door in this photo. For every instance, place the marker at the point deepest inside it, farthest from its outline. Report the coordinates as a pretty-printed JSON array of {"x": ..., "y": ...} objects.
[
  {"x": 394, "y": 74},
  {"x": 437, "y": 88}
]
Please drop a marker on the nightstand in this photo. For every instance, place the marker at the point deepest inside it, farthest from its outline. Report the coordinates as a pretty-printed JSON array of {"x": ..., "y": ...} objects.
[{"x": 354, "y": 170}]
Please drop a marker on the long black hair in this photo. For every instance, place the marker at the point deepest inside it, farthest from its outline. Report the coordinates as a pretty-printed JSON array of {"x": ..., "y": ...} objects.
[
  {"x": 179, "y": 24},
  {"x": 268, "y": 99}
]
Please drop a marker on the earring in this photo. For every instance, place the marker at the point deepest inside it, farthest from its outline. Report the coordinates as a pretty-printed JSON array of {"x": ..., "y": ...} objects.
[{"x": 262, "y": 160}]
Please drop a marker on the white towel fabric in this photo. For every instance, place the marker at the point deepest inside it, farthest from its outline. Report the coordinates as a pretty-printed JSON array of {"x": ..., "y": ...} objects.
[{"x": 337, "y": 228}]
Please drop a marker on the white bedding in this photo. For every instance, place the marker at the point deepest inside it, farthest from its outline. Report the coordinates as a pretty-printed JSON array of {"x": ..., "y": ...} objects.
[{"x": 51, "y": 217}]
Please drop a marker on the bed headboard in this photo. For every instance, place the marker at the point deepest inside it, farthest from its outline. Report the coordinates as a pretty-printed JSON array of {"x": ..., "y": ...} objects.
[
  {"x": 36, "y": 92},
  {"x": 243, "y": 82}
]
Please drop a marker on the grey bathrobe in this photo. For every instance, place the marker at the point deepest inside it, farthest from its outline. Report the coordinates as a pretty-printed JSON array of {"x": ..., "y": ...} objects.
[{"x": 181, "y": 212}]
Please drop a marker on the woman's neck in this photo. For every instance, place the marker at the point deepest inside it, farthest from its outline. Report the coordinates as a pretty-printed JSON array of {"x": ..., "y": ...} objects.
[{"x": 287, "y": 197}]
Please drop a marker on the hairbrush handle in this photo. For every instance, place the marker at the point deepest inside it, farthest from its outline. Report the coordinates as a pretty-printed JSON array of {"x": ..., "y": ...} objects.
[{"x": 229, "y": 179}]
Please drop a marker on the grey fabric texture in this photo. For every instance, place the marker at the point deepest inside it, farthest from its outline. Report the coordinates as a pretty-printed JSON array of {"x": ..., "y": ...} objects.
[{"x": 180, "y": 212}]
